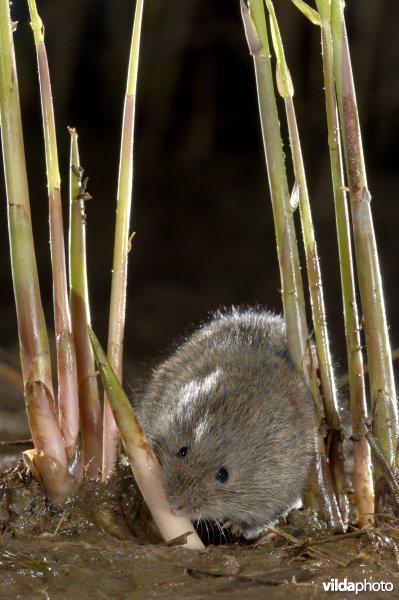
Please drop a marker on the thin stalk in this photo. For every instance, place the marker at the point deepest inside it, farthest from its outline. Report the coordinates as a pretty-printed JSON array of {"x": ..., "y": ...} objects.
[
  {"x": 382, "y": 385},
  {"x": 362, "y": 475},
  {"x": 68, "y": 406},
  {"x": 292, "y": 288},
  {"x": 34, "y": 348},
  {"x": 89, "y": 399},
  {"x": 319, "y": 492},
  {"x": 309, "y": 12},
  {"x": 143, "y": 462},
  {"x": 121, "y": 246},
  {"x": 327, "y": 382}
]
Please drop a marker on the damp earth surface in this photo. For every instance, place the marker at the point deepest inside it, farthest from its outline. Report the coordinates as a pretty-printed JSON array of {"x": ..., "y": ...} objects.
[{"x": 101, "y": 544}]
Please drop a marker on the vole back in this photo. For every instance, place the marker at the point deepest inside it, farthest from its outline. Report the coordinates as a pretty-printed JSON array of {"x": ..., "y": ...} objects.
[{"x": 232, "y": 422}]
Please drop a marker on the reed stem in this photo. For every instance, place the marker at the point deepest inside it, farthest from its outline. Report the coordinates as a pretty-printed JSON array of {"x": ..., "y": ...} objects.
[
  {"x": 68, "y": 406},
  {"x": 326, "y": 373},
  {"x": 382, "y": 385},
  {"x": 34, "y": 348},
  {"x": 362, "y": 475},
  {"x": 89, "y": 399},
  {"x": 121, "y": 247},
  {"x": 291, "y": 280},
  {"x": 292, "y": 288}
]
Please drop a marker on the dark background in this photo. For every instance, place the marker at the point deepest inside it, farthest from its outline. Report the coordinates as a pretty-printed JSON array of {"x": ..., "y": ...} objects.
[{"x": 201, "y": 207}]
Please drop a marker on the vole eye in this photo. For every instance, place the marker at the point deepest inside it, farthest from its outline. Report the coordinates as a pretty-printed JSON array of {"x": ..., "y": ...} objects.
[
  {"x": 182, "y": 452},
  {"x": 222, "y": 475}
]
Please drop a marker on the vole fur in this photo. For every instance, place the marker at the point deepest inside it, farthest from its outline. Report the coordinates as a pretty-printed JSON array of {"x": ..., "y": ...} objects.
[{"x": 232, "y": 422}]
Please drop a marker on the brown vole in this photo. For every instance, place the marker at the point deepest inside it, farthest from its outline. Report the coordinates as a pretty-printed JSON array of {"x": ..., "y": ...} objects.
[{"x": 232, "y": 422}]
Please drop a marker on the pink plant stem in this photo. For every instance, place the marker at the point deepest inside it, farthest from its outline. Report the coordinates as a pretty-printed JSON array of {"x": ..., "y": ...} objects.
[
  {"x": 34, "y": 348},
  {"x": 68, "y": 406},
  {"x": 89, "y": 400}
]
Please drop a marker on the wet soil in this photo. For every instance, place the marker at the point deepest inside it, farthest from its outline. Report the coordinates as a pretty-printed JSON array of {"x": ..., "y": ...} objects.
[
  {"x": 103, "y": 567},
  {"x": 100, "y": 545}
]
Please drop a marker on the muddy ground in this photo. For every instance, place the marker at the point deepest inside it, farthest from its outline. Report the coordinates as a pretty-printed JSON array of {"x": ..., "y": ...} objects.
[{"x": 101, "y": 545}]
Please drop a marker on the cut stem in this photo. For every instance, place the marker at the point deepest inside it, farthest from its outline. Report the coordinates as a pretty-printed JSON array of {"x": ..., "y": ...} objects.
[{"x": 89, "y": 399}]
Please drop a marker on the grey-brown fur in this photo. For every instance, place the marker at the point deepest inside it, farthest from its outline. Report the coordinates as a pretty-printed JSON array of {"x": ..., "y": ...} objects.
[{"x": 231, "y": 395}]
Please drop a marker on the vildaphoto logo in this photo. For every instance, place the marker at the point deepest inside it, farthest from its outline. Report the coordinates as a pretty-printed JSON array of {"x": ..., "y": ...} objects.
[{"x": 335, "y": 585}]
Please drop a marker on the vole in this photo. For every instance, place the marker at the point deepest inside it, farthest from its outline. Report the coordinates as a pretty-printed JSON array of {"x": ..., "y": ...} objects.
[{"x": 231, "y": 422}]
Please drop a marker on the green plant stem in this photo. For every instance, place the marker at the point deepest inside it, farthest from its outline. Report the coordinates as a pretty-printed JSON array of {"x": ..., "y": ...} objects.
[
  {"x": 287, "y": 251},
  {"x": 362, "y": 475},
  {"x": 68, "y": 406},
  {"x": 35, "y": 354},
  {"x": 292, "y": 288},
  {"x": 382, "y": 386},
  {"x": 328, "y": 389},
  {"x": 89, "y": 399},
  {"x": 121, "y": 247},
  {"x": 143, "y": 462},
  {"x": 34, "y": 348}
]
